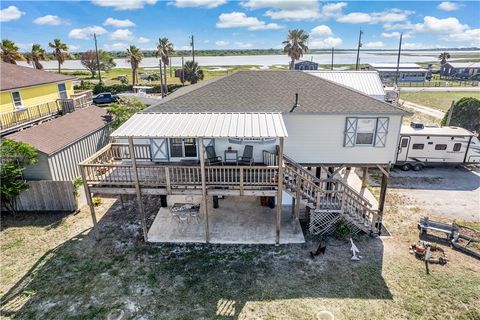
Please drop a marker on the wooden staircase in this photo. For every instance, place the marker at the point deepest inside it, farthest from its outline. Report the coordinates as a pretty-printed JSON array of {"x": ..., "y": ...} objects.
[{"x": 329, "y": 200}]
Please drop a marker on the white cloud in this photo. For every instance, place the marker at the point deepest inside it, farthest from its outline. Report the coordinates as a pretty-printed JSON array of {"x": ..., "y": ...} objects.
[
  {"x": 240, "y": 20},
  {"x": 10, "y": 13},
  {"x": 72, "y": 47},
  {"x": 286, "y": 10},
  {"x": 333, "y": 10},
  {"x": 49, "y": 20},
  {"x": 185, "y": 48},
  {"x": 374, "y": 45},
  {"x": 330, "y": 42},
  {"x": 243, "y": 45},
  {"x": 121, "y": 35},
  {"x": 222, "y": 43},
  {"x": 470, "y": 37},
  {"x": 197, "y": 3},
  {"x": 321, "y": 31},
  {"x": 86, "y": 33},
  {"x": 396, "y": 35},
  {"x": 448, "y": 6},
  {"x": 387, "y": 16},
  {"x": 118, "y": 23},
  {"x": 412, "y": 45},
  {"x": 447, "y": 25},
  {"x": 24, "y": 46},
  {"x": 142, "y": 40},
  {"x": 118, "y": 46},
  {"x": 124, "y": 4}
]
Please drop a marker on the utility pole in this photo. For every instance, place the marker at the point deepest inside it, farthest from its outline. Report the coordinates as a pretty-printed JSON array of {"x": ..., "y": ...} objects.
[
  {"x": 358, "y": 49},
  {"x": 398, "y": 59},
  {"x": 193, "y": 48},
  {"x": 183, "y": 73},
  {"x": 161, "y": 77},
  {"x": 331, "y": 67},
  {"x": 98, "y": 59}
]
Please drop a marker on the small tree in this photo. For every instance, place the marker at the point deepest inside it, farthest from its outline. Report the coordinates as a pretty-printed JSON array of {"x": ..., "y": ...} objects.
[
  {"x": 15, "y": 156},
  {"x": 466, "y": 114},
  {"x": 89, "y": 61},
  {"x": 192, "y": 72},
  {"x": 123, "y": 110}
]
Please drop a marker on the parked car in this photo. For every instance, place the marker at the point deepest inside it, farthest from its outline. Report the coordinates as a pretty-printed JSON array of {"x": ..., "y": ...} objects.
[{"x": 104, "y": 98}]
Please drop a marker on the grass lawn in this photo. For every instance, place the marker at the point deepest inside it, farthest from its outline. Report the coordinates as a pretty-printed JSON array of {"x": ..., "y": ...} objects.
[
  {"x": 438, "y": 100},
  {"x": 52, "y": 268}
]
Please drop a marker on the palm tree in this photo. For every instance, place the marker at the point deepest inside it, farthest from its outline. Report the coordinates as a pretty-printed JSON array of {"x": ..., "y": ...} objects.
[
  {"x": 192, "y": 72},
  {"x": 295, "y": 45},
  {"x": 10, "y": 52},
  {"x": 36, "y": 55},
  {"x": 443, "y": 57},
  {"x": 164, "y": 50},
  {"x": 134, "y": 57},
  {"x": 60, "y": 51}
]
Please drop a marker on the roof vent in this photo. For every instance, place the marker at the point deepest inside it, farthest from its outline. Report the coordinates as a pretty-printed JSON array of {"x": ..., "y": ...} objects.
[
  {"x": 417, "y": 125},
  {"x": 296, "y": 103}
]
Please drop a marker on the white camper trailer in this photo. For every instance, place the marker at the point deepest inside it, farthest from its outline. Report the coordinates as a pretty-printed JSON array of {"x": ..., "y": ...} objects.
[{"x": 421, "y": 145}]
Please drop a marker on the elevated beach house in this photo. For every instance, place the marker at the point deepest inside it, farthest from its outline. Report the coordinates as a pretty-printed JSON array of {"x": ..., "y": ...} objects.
[
  {"x": 252, "y": 133},
  {"x": 28, "y": 96}
]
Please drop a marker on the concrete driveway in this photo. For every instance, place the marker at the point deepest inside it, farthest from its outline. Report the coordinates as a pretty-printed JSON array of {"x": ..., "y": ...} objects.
[{"x": 452, "y": 192}]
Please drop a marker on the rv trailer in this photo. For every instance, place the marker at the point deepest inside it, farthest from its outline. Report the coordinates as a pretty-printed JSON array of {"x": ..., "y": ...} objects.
[{"x": 422, "y": 145}]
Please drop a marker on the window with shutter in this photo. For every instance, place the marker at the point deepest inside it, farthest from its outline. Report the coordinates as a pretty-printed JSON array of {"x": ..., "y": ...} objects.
[
  {"x": 381, "y": 132},
  {"x": 350, "y": 131}
]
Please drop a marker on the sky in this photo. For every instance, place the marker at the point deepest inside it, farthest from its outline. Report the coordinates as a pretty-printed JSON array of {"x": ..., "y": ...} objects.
[{"x": 244, "y": 24}]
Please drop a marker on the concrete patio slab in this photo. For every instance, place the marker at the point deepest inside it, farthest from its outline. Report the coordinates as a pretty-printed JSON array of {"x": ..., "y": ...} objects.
[{"x": 238, "y": 220}]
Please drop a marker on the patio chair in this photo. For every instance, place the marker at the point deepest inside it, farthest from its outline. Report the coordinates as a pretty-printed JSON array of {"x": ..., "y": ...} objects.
[
  {"x": 247, "y": 157},
  {"x": 212, "y": 157}
]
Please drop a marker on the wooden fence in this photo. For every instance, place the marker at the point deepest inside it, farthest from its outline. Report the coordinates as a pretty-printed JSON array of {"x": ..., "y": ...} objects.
[{"x": 47, "y": 196}]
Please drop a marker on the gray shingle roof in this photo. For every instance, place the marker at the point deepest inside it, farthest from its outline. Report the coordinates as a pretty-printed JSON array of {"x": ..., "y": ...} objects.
[
  {"x": 54, "y": 135},
  {"x": 14, "y": 77},
  {"x": 271, "y": 91}
]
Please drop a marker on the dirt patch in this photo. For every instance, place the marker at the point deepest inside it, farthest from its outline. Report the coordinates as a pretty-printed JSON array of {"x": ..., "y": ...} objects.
[{"x": 63, "y": 273}]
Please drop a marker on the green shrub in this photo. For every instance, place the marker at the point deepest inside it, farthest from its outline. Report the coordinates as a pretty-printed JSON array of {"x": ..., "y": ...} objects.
[
  {"x": 342, "y": 230},
  {"x": 97, "y": 201},
  {"x": 84, "y": 85},
  {"x": 114, "y": 89},
  {"x": 466, "y": 114}
]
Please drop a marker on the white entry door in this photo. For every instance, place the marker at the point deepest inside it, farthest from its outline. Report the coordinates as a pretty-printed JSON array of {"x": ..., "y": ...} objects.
[{"x": 403, "y": 149}]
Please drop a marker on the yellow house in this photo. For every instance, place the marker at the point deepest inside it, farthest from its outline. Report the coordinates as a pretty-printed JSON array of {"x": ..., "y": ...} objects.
[{"x": 27, "y": 94}]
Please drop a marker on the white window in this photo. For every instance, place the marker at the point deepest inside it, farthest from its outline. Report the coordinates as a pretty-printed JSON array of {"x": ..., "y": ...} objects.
[
  {"x": 17, "y": 99},
  {"x": 62, "y": 91},
  {"x": 365, "y": 131},
  {"x": 183, "y": 148}
]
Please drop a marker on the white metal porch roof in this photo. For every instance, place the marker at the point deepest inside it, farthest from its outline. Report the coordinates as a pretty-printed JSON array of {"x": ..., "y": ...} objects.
[{"x": 211, "y": 125}]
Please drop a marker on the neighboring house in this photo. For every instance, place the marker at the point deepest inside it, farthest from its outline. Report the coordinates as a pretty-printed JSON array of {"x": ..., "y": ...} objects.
[
  {"x": 407, "y": 72},
  {"x": 305, "y": 65},
  {"x": 366, "y": 82},
  {"x": 460, "y": 70},
  {"x": 281, "y": 122},
  {"x": 28, "y": 96},
  {"x": 64, "y": 142}
]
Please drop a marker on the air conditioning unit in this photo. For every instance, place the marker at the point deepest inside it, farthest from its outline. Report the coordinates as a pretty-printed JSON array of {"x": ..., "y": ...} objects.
[
  {"x": 417, "y": 125},
  {"x": 20, "y": 108}
]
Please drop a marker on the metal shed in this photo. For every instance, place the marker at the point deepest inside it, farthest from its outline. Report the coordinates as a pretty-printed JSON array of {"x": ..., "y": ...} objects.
[{"x": 64, "y": 142}]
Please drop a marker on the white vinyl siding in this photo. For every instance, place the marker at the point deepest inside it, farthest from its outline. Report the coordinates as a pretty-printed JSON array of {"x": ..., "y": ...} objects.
[{"x": 319, "y": 138}]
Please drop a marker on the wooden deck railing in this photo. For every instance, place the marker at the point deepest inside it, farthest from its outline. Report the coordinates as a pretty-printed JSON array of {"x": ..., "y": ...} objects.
[
  {"x": 14, "y": 118},
  {"x": 20, "y": 118}
]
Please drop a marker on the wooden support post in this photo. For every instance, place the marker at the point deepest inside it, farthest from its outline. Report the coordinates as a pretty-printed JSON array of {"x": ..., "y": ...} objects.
[
  {"x": 381, "y": 200},
  {"x": 137, "y": 188},
  {"x": 167, "y": 180},
  {"x": 318, "y": 172},
  {"x": 298, "y": 195},
  {"x": 122, "y": 201},
  {"x": 242, "y": 189},
  {"x": 293, "y": 206},
  {"x": 204, "y": 188},
  {"x": 364, "y": 177},
  {"x": 278, "y": 217},
  {"x": 215, "y": 202},
  {"x": 88, "y": 195}
]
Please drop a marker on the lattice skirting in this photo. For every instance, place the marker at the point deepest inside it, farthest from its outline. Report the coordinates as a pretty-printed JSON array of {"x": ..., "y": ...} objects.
[{"x": 325, "y": 221}]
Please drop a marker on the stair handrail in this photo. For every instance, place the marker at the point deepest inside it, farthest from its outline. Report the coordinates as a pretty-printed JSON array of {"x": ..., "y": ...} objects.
[{"x": 288, "y": 160}]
